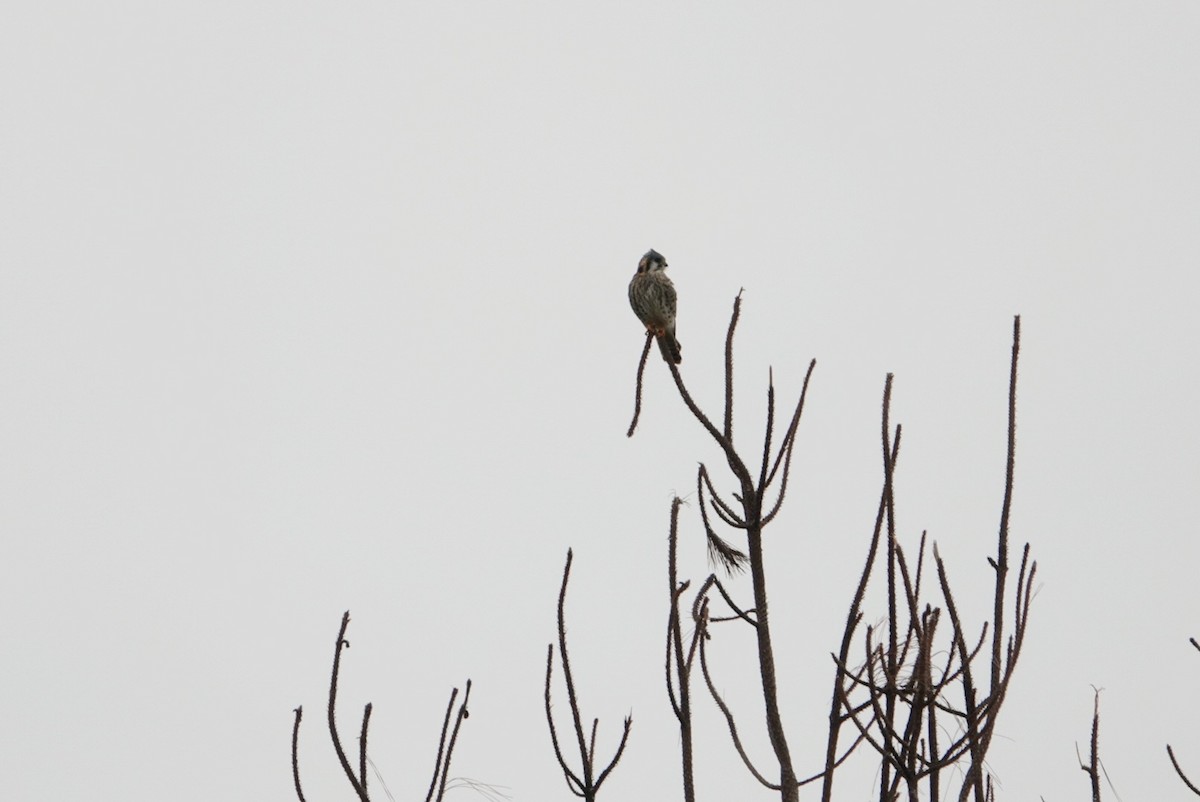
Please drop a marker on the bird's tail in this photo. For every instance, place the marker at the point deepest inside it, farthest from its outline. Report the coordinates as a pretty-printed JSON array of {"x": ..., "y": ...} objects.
[{"x": 670, "y": 348}]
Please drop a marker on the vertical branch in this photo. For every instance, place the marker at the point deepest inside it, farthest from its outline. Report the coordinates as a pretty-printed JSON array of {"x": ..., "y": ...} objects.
[
  {"x": 299, "y": 711},
  {"x": 362, "y": 747},
  {"x": 889, "y": 663},
  {"x": 1093, "y": 767},
  {"x": 573, "y": 781},
  {"x": 974, "y": 774},
  {"x": 437, "y": 763},
  {"x": 1001, "y": 564},
  {"x": 337, "y": 741},
  {"x": 766, "y": 458},
  {"x": 931, "y": 618},
  {"x": 682, "y": 667},
  {"x": 585, "y": 757},
  {"x": 854, "y": 614},
  {"x": 458, "y": 720},
  {"x": 737, "y": 311}
]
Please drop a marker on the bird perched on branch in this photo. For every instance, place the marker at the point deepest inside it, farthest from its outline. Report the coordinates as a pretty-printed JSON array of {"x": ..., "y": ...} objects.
[{"x": 652, "y": 296}]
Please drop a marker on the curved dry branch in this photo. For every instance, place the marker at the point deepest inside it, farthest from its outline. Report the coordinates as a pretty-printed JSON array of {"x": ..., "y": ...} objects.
[
  {"x": 720, "y": 551},
  {"x": 333, "y": 731},
  {"x": 573, "y": 781},
  {"x": 786, "y": 449},
  {"x": 299, "y": 711},
  {"x": 727, "y": 513},
  {"x": 730, "y": 723},
  {"x": 738, "y": 612},
  {"x": 637, "y": 397},
  {"x": 1179, "y": 770}
]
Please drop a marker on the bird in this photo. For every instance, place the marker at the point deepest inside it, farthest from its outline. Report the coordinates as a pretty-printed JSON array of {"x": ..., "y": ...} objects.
[{"x": 652, "y": 296}]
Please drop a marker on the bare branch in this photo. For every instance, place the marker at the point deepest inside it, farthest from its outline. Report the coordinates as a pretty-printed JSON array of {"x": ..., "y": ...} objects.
[
  {"x": 637, "y": 398},
  {"x": 362, "y": 747},
  {"x": 974, "y": 775},
  {"x": 463, "y": 713},
  {"x": 720, "y": 552},
  {"x": 573, "y": 782},
  {"x": 733, "y": 321},
  {"x": 337, "y": 741},
  {"x": 566, "y": 666},
  {"x": 1179, "y": 770},
  {"x": 437, "y": 763},
  {"x": 1001, "y": 564},
  {"x": 766, "y": 456},
  {"x": 729, "y": 721},
  {"x": 1092, "y": 769},
  {"x": 854, "y": 615},
  {"x": 620, "y": 751},
  {"x": 738, "y": 612},
  {"x": 299, "y": 711},
  {"x": 785, "y": 447},
  {"x": 677, "y": 665},
  {"x": 728, "y": 515},
  {"x": 584, "y": 787}
]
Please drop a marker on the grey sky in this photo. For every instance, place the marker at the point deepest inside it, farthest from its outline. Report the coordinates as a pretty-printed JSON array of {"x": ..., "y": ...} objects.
[{"x": 307, "y": 308}]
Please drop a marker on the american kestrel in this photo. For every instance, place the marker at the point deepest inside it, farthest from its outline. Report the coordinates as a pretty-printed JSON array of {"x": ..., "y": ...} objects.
[{"x": 652, "y": 296}]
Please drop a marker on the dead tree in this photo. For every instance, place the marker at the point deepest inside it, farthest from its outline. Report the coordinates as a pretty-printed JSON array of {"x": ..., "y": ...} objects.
[
  {"x": 586, "y": 783},
  {"x": 925, "y": 696},
  {"x": 919, "y": 712},
  {"x": 358, "y": 779},
  {"x": 751, "y": 512}
]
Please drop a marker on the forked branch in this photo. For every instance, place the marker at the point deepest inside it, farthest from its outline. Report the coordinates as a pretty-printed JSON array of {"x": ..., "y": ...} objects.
[
  {"x": 358, "y": 779},
  {"x": 587, "y": 785}
]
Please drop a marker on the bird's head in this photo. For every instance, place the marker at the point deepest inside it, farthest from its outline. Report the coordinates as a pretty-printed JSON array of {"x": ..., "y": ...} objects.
[{"x": 653, "y": 260}]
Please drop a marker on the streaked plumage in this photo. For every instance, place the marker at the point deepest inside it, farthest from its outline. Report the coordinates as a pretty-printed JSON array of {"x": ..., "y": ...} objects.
[{"x": 652, "y": 296}]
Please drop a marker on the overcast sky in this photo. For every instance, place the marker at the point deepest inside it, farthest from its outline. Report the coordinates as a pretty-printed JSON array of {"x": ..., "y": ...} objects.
[{"x": 315, "y": 307}]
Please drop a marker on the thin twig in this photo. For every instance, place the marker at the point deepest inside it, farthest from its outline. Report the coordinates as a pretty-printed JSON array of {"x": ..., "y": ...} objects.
[
  {"x": 585, "y": 787},
  {"x": 362, "y": 747},
  {"x": 437, "y": 763},
  {"x": 974, "y": 775},
  {"x": 682, "y": 704},
  {"x": 337, "y": 741},
  {"x": 299, "y": 711},
  {"x": 766, "y": 457},
  {"x": 854, "y": 614},
  {"x": 566, "y": 666},
  {"x": 730, "y": 723},
  {"x": 737, "y": 311},
  {"x": 463, "y": 713},
  {"x": 1179, "y": 770},
  {"x": 1093, "y": 769},
  {"x": 573, "y": 781},
  {"x": 1001, "y": 564},
  {"x": 637, "y": 398}
]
